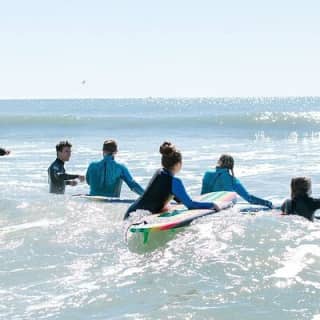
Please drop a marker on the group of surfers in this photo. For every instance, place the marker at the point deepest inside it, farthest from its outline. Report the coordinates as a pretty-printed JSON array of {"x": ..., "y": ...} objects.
[{"x": 105, "y": 178}]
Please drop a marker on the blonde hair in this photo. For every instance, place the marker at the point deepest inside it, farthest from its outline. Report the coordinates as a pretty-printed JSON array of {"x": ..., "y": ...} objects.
[{"x": 226, "y": 161}]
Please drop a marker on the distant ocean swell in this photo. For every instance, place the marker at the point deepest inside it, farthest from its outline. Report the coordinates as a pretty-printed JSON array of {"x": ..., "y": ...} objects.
[{"x": 285, "y": 120}]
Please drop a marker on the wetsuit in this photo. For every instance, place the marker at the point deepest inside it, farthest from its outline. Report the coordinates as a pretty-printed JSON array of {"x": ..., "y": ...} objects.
[
  {"x": 221, "y": 180},
  {"x": 161, "y": 189},
  {"x": 304, "y": 206},
  {"x": 105, "y": 178},
  {"x": 58, "y": 178},
  {"x": 3, "y": 152}
]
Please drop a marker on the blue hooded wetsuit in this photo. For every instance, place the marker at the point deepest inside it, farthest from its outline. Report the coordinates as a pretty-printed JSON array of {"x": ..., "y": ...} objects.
[
  {"x": 161, "y": 189},
  {"x": 105, "y": 178},
  {"x": 221, "y": 180}
]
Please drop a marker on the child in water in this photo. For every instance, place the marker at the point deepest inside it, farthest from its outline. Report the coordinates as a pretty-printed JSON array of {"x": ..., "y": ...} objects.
[
  {"x": 164, "y": 186},
  {"x": 222, "y": 179},
  {"x": 301, "y": 202}
]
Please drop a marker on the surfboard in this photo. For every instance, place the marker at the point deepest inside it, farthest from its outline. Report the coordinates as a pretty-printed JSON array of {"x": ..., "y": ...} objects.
[
  {"x": 245, "y": 207},
  {"x": 179, "y": 216},
  {"x": 250, "y": 208},
  {"x": 102, "y": 199}
]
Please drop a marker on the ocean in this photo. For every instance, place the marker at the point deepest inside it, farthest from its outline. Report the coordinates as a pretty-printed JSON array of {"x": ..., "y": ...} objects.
[{"x": 67, "y": 258}]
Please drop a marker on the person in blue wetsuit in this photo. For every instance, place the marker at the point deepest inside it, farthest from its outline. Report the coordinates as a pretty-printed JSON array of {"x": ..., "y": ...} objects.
[
  {"x": 164, "y": 186},
  {"x": 301, "y": 202},
  {"x": 222, "y": 179},
  {"x": 105, "y": 177}
]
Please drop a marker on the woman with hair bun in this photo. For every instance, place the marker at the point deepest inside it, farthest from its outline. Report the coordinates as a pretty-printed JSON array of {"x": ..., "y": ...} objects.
[
  {"x": 223, "y": 179},
  {"x": 164, "y": 186}
]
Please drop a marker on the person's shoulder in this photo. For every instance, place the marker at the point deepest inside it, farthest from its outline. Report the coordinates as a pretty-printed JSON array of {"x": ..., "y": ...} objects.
[
  {"x": 119, "y": 164},
  {"x": 209, "y": 173},
  {"x": 95, "y": 162},
  {"x": 177, "y": 180},
  {"x": 158, "y": 172},
  {"x": 53, "y": 164},
  {"x": 236, "y": 180}
]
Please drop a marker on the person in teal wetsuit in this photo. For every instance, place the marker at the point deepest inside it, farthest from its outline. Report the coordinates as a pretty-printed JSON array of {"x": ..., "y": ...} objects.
[
  {"x": 105, "y": 177},
  {"x": 222, "y": 179}
]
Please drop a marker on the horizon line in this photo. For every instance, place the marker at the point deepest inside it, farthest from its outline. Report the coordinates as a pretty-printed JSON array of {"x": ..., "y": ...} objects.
[{"x": 161, "y": 97}]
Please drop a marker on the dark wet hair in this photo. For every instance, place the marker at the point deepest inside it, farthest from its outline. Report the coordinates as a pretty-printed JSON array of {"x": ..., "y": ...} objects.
[
  {"x": 170, "y": 155},
  {"x": 63, "y": 144},
  {"x": 110, "y": 146},
  {"x": 226, "y": 161},
  {"x": 300, "y": 186}
]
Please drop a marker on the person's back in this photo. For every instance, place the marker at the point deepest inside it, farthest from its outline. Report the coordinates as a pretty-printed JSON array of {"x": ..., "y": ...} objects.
[
  {"x": 164, "y": 186},
  {"x": 158, "y": 192},
  {"x": 105, "y": 177},
  {"x": 221, "y": 179},
  {"x": 303, "y": 206},
  {"x": 301, "y": 203},
  {"x": 218, "y": 179}
]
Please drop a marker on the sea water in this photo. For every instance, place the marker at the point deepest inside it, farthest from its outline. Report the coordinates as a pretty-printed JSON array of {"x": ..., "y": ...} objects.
[{"x": 67, "y": 258}]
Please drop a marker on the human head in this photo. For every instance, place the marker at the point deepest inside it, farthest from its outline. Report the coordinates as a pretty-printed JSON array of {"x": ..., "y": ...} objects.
[
  {"x": 171, "y": 158},
  {"x": 109, "y": 147},
  {"x": 226, "y": 161},
  {"x": 63, "y": 149},
  {"x": 300, "y": 186}
]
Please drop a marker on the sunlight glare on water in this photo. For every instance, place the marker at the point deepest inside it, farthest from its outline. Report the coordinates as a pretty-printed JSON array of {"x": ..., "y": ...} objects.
[{"x": 66, "y": 258}]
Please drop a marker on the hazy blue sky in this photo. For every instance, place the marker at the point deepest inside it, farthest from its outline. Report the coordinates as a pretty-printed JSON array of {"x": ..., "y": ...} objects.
[{"x": 159, "y": 48}]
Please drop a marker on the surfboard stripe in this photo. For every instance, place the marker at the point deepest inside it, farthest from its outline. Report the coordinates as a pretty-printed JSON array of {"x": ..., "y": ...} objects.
[{"x": 180, "y": 216}]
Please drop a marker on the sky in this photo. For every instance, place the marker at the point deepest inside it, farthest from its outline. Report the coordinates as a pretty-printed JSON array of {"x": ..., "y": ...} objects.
[{"x": 167, "y": 48}]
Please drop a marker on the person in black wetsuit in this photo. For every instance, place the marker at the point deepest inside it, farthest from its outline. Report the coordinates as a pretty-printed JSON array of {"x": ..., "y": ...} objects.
[
  {"x": 301, "y": 202},
  {"x": 57, "y": 176},
  {"x": 4, "y": 152},
  {"x": 164, "y": 186}
]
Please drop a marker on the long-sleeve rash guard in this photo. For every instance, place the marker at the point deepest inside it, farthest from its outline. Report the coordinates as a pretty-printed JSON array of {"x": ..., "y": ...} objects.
[
  {"x": 161, "y": 189},
  {"x": 105, "y": 178},
  {"x": 221, "y": 180}
]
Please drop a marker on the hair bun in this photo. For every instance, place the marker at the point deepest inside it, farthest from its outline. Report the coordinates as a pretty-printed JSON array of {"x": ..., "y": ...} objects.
[{"x": 167, "y": 148}]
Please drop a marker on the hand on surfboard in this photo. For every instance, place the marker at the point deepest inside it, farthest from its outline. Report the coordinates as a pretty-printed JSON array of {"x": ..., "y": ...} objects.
[{"x": 225, "y": 205}]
